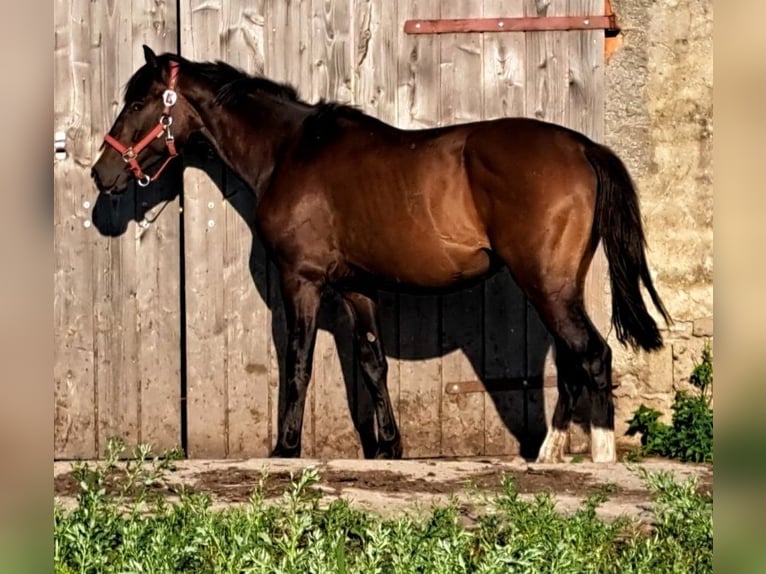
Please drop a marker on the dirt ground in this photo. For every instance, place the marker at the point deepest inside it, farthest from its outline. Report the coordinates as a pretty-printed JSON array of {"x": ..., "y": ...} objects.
[{"x": 391, "y": 487}]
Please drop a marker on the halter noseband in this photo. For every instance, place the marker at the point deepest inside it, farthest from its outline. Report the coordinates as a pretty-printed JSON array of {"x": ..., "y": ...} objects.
[{"x": 130, "y": 154}]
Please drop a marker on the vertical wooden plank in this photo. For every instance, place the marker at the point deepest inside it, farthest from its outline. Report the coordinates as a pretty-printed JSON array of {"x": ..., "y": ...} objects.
[
  {"x": 276, "y": 19},
  {"x": 133, "y": 313},
  {"x": 245, "y": 277},
  {"x": 505, "y": 307},
  {"x": 547, "y": 71},
  {"x": 229, "y": 322},
  {"x": 374, "y": 82},
  {"x": 586, "y": 114},
  {"x": 158, "y": 270},
  {"x": 205, "y": 234},
  {"x": 419, "y": 333},
  {"x": 461, "y": 95},
  {"x": 115, "y": 261},
  {"x": 73, "y": 371},
  {"x": 332, "y": 79}
]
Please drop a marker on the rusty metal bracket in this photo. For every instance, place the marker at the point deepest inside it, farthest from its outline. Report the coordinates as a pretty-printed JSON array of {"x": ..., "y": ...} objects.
[{"x": 608, "y": 23}]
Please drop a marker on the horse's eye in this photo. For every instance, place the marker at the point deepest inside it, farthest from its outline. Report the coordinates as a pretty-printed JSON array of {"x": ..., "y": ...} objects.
[{"x": 137, "y": 106}]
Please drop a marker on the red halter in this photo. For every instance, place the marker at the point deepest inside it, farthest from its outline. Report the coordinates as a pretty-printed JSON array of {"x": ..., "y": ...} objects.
[{"x": 130, "y": 154}]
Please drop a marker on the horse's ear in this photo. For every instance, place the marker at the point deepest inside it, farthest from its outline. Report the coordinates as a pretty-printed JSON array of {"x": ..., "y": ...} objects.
[{"x": 150, "y": 57}]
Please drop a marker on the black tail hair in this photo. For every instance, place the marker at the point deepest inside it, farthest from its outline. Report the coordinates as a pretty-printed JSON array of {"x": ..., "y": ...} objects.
[{"x": 618, "y": 224}]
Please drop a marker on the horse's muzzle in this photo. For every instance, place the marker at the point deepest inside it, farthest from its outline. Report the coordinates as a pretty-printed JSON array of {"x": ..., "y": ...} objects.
[{"x": 107, "y": 187}]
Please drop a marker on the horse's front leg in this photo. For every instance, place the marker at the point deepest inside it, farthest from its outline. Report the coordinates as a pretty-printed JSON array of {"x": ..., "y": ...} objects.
[{"x": 301, "y": 299}]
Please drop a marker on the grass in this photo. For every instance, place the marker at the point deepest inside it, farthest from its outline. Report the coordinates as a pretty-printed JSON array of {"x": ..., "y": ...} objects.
[{"x": 118, "y": 527}]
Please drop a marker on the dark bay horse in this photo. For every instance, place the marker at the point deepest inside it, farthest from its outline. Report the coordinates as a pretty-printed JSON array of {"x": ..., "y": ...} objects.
[{"x": 349, "y": 203}]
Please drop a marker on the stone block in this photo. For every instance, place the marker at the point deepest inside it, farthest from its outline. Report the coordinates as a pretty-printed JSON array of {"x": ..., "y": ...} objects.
[
  {"x": 656, "y": 374},
  {"x": 703, "y": 327},
  {"x": 686, "y": 354}
]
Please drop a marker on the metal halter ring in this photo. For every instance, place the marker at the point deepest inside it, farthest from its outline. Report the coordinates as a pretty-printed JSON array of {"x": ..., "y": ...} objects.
[
  {"x": 128, "y": 155},
  {"x": 169, "y": 98},
  {"x": 144, "y": 181},
  {"x": 166, "y": 120}
]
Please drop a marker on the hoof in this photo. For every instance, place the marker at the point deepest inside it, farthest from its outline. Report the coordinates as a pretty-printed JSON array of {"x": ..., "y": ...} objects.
[
  {"x": 392, "y": 450},
  {"x": 285, "y": 452}
]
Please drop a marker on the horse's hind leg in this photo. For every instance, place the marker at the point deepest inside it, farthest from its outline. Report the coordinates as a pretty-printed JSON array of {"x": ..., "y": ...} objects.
[
  {"x": 301, "y": 299},
  {"x": 583, "y": 357},
  {"x": 571, "y": 378},
  {"x": 374, "y": 366}
]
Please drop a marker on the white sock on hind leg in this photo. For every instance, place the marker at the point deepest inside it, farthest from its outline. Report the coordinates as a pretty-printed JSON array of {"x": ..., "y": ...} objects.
[{"x": 602, "y": 447}]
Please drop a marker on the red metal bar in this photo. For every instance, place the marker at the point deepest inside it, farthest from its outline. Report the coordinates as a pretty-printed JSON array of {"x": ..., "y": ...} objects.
[{"x": 531, "y": 24}]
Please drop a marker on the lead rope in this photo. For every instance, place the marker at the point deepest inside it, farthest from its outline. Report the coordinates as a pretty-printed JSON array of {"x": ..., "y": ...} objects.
[{"x": 144, "y": 224}]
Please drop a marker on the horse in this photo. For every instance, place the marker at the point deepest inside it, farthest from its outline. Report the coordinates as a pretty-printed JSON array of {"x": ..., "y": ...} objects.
[{"x": 348, "y": 203}]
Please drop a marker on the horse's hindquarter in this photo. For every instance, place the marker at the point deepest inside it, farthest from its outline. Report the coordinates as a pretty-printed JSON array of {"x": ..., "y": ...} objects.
[
  {"x": 405, "y": 211},
  {"x": 536, "y": 191}
]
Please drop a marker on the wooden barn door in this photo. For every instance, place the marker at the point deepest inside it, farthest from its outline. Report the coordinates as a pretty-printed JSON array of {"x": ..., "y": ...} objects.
[
  {"x": 116, "y": 301},
  {"x": 470, "y": 373}
]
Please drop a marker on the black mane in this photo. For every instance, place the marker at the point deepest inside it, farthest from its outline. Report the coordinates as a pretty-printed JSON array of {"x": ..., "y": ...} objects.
[
  {"x": 234, "y": 87},
  {"x": 232, "y": 84}
]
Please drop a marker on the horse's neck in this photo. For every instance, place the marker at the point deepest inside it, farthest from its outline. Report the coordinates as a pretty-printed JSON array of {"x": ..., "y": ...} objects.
[{"x": 248, "y": 137}]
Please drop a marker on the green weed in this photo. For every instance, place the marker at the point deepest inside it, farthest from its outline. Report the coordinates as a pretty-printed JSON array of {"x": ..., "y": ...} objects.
[
  {"x": 689, "y": 438},
  {"x": 112, "y": 532}
]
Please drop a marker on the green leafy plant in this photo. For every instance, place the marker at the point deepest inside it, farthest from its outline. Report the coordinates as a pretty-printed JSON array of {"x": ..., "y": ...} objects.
[
  {"x": 689, "y": 438},
  {"x": 107, "y": 532}
]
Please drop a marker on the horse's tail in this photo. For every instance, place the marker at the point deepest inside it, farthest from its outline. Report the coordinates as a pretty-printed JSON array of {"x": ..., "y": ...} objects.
[{"x": 618, "y": 224}]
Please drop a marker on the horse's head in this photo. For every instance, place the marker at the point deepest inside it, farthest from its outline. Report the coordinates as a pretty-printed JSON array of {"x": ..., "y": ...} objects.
[{"x": 150, "y": 130}]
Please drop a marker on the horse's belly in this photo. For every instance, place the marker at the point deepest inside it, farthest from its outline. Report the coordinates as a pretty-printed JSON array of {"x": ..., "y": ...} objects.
[{"x": 427, "y": 265}]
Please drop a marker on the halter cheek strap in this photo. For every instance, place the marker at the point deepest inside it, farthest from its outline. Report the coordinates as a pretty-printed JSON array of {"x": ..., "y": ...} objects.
[{"x": 130, "y": 153}]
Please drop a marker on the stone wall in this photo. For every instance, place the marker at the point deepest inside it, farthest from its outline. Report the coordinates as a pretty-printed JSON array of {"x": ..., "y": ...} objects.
[{"x": 659, "y": 116}]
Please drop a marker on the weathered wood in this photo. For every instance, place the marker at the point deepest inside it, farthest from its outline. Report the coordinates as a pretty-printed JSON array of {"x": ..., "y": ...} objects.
[
  {"x": 331, "y": 389},
  {"x": 207, "y": 383},
  {"x": 289, "y": 29},
  {"x": 461, "y": 100},
  {"x": 133, "y": 316},
  {"x": 116, "y": 280},
  {"x": 547, "y": 62},
  {"x": 73, "y": 368},
  {"x": 278, "y": 23},
  {"x": 374, "y": 82},
  {"x": 116, "y": 308},
  {"x": 248, "y": 319},
  {"x": 585, "y": 113},
  {"x": 419, "y": 332},
  {"x": 504, "y": 334},
  {"x": 157, "y": 270}
]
